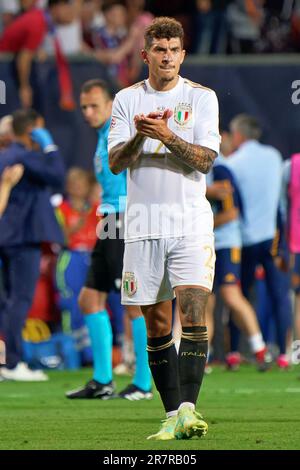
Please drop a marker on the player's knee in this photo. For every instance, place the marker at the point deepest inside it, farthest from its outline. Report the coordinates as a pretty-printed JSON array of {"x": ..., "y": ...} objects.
[{"x": 192, "y": 303}]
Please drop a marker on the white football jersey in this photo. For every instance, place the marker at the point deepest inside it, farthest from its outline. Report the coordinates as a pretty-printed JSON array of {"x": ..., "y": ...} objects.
[{"x": 165, "y": 197}]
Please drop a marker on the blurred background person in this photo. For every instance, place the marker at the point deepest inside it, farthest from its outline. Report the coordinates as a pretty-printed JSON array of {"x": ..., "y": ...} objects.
[
  {"x": 257, "y": 170},
  {"x": 228, "y": 212},
  {"x": 91, "y": 18},
  {"x": 245, "y": 19},
  {"x": 211, "y": 26},
  {"x": 78, "y": 219},
  {"x": 291, "y": 210},
  {"x": 24, "y": 36},
  {"x": 6, "y": 132},
  {"x": 9, "y": 178},
  {"x": 28, "y": 221},
  {"x": 8, "y": 11},
  {"x": 138, "y": 21},
  {"x": 113, "y": 43}
]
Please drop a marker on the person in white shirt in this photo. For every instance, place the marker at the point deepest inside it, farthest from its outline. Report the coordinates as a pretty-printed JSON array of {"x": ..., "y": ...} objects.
[{"x": 165, "y": 131}]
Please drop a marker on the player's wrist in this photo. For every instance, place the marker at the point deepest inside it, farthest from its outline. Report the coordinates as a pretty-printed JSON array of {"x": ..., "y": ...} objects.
[
  {"x": 168, "y": 137},
  {"x": 139, "y": 137}
]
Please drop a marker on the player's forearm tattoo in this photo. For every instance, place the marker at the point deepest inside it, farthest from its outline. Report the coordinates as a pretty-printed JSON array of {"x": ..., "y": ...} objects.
[
  {"x": 195, "y": 156},
  {"x": 124, "y": 155},
  {"x": 192, "y": 302}
]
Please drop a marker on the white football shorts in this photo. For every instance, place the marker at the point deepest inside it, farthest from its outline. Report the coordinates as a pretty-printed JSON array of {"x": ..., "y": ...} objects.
[{"x": 153, "y": 268}]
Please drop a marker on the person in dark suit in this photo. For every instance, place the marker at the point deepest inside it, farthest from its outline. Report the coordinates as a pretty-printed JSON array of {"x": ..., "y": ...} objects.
[
  {"x": 9, "y": 178},
  {"x": 27, "y": 222}
]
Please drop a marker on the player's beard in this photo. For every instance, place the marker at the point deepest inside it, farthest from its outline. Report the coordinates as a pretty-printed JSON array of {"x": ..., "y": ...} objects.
[{"x": 167, "y": 79}]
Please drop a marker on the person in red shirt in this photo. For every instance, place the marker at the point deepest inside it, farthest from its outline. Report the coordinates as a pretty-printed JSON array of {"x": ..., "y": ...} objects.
[
  {"x": 25, "y": 35},
  {"x": 79, "y": 221}
]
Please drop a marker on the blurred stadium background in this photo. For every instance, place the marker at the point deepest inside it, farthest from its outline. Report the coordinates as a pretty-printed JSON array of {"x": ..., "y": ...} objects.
[{"x": 248, "y": 52}]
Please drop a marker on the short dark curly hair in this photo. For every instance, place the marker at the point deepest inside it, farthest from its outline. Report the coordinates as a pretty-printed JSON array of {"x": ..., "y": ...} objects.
[
  {"x": 22, "y": 119},
  {"x": 163, "y": 27}
]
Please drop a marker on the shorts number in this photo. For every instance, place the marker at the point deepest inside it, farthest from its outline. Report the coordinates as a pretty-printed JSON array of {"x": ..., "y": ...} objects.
[{"x": 211, "y": 257}]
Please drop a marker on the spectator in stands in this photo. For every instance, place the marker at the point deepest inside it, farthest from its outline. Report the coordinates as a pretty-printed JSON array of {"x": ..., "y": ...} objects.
[
  {"x": 23, "y": 38},
  {"x": 8, "y": 12},
  {"x": 112, "y": 43},
  {"x": 28, "y": 221},
  {"x": 245, "y": 18},
  {"x": 181, "y": 10},
  {"x": 277, "y": 30},
  {"x": 70, "y": 34},
  {"x": 138, "y": 20},
  {"x": 91, "y": 18},
  {"x": 295, "y": 25},
  {"x": 211, "y": 26},
  {"x": 79, "y": 222}
]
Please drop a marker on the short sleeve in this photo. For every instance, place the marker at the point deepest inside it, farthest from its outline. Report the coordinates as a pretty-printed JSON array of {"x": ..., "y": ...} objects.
[
  {"x": 34, "y": 35},
  {"x": 206, "y": 131},
  {"x": 120, "y": 128}
]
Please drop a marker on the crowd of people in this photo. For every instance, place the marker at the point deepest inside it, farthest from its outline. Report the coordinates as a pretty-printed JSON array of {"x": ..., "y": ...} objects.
[
  {"x": 111, "y": 31},
  {"x": 211, "y": 26}
]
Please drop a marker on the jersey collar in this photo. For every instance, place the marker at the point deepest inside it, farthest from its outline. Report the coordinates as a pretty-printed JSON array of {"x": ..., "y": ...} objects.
[{"x": 165, "y": 93}]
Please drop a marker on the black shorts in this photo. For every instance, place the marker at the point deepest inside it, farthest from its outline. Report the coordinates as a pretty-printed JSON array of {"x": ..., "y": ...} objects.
[{"x": 105, "y": 273}]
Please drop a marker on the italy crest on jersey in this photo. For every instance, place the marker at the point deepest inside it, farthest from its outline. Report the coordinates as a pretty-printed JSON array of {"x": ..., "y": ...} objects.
[
  {"x": 183, "y": 113},
  {"x": 129, "y": 284}
]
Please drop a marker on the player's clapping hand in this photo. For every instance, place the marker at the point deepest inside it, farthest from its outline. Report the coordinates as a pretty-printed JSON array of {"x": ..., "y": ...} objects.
[
  {"x": 12, "y": 175},
  {"x": 154, "y": 125}
]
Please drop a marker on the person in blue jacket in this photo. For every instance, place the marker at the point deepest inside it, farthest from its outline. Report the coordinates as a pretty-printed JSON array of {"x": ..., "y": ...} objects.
[{"x": 27, "y": 222}]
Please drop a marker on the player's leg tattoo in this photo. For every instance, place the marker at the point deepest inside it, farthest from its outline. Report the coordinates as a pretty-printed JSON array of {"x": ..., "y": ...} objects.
[
  {"x": 194, "y": 342},
  {"x": 192, "y": 303}
]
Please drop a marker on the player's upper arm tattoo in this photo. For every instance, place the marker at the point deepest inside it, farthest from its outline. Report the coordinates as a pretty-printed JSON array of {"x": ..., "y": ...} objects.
[{"x": 195, "y": 156}]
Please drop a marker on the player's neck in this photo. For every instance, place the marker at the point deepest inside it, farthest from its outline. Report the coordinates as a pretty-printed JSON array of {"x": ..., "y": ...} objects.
[{"x": 162, "y": 85}]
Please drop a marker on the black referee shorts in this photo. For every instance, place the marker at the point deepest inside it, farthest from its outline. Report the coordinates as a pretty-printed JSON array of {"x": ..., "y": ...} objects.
[{"x": 105, "y": 273}]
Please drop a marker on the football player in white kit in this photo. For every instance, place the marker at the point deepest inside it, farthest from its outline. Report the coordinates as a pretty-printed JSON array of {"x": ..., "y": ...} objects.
[{"x": 165, "y": 131}]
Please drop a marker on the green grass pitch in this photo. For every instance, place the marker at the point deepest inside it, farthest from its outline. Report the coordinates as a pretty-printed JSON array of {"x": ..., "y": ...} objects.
[{"x": 244, "y": 410}]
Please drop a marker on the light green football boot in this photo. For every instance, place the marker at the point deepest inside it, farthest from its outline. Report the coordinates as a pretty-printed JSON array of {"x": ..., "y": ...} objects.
[
  {"x": 189, "y": 423},
  {"x": 166, "y": 431}
]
